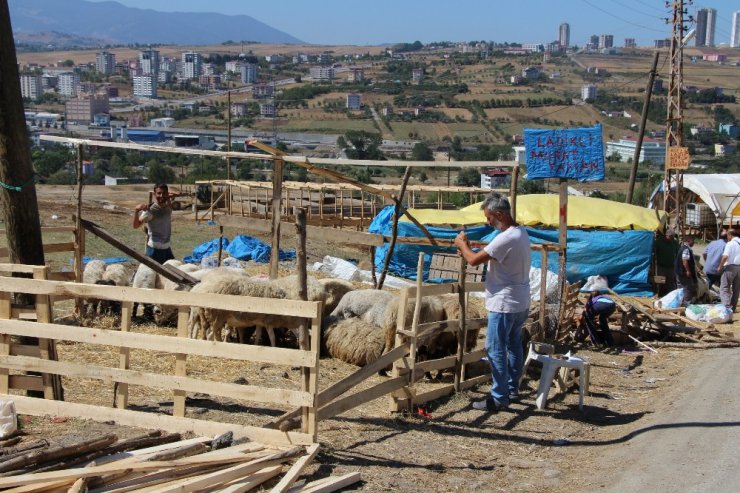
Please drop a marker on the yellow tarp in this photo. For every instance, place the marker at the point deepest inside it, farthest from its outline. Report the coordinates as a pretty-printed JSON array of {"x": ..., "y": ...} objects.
[{"x": 542, "y": 210}]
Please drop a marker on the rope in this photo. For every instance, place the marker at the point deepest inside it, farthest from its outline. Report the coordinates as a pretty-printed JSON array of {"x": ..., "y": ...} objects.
[{"x": 12, "y": 188}]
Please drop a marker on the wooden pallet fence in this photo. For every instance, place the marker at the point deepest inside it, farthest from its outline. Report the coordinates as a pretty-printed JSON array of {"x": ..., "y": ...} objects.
[
  {"x": 57, "y": 247},
  {"x": 181, "y": 347}
]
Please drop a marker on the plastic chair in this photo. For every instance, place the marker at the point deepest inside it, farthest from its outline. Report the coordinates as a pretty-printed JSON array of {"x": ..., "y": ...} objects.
[{"x": 557, "y": 367}]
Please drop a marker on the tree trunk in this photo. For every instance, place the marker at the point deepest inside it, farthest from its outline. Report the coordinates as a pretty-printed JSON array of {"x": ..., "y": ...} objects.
[{"x": 19, "y": 206}]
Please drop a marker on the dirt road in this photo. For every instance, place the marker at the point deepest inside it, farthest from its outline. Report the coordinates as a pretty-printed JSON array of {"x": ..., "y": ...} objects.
[{"x": 691, "y": 442}]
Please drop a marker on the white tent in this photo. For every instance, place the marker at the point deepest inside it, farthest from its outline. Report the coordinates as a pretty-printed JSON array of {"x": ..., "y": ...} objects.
[{"x": 721, "y": 192}]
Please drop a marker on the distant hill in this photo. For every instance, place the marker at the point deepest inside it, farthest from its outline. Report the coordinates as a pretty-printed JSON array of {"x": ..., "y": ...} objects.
[{"x": 118, "y": 24}]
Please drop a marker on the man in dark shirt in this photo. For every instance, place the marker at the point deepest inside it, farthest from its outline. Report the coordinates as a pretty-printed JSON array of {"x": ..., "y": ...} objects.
[
  {"x": 666, "y": 249},
  {"x": 685, "y": 269}
]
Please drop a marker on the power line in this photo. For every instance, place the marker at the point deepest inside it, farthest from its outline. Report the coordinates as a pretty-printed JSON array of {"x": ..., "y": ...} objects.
[{"x": 621, "y": 18}]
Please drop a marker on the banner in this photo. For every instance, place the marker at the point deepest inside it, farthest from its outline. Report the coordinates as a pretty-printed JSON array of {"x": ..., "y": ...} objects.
[{"x": 576, "y": 153}]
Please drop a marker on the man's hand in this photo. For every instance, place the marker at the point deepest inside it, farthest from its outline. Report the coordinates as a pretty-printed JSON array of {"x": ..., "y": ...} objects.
[
  {"x": 141, "y": 207},
  {"x": 461, "y": 239}
]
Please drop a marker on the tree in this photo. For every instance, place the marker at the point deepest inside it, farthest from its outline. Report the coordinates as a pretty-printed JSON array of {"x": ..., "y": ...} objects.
[
  {"x": 359, "y": 144},
  {"x": 159, "y": 173},
  {"x": 19, "y": 205},
  {"x": 421, "y": 152},
  {"x": 468, "y": 177}
]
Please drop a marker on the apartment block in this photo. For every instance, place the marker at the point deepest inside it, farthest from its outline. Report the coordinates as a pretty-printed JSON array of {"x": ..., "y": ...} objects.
[
  {"x": 149, "y": 62},
  {"x": 191, "y": 65},
  {"x": 248, "y": 73},
  {"x": 82, "y": 110},
  {"x": 145, "y": 86},
  {"x": 31, "y": 87},
  {"x": 564, "y": 35},
  {"x": 354, "y": 102},
  {"x": 68, "y": 84},
  {"x": 322, "y": 73},
  {"x": 105, "y": 62},
  {"x": 588, "y": 91}
]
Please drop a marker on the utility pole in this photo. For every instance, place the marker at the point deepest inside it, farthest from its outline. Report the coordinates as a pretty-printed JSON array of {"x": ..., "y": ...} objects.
[
  {"x": 674, "y": 122},
  {"x": 18, "y": 193}
]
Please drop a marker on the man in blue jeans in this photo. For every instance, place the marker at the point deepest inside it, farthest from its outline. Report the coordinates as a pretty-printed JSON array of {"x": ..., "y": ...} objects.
[{"x": 507, "y": 298}]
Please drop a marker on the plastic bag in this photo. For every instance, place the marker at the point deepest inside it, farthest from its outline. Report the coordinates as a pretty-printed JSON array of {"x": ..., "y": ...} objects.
[
  {"x": 8, "y": 418},
  {"x": 671, "y": 300},
  {"x": 697, "y": 313},
  {"x": 713, "y": 314},
  {"x": 596, "y": 283}
]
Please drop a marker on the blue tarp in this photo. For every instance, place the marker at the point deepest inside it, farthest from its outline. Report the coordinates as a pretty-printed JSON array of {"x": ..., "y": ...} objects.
[
  {"x": 622, "y": 256},
  {"x": 109, "y": 260},
  {"x": 241, "y": 247}
]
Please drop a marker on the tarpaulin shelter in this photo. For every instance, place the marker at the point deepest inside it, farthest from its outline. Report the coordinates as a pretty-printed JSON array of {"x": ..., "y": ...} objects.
[
  {"x": 604, "y": 237},
  {"x": 721, "y": 192}
]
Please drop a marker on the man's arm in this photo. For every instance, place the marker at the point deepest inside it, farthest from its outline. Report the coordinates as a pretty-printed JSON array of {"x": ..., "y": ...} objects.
[
  {"x": 137, "y": 210},
  {"x": 471, "y": 257},
  {"x": 722, "y": 262}
]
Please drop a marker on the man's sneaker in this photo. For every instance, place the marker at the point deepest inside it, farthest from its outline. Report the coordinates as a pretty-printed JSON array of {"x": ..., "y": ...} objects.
[{"x": 488, "y": 404}]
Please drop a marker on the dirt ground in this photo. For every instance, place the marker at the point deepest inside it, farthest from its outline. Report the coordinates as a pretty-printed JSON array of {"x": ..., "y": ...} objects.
[{"x": 446, "y": 446}]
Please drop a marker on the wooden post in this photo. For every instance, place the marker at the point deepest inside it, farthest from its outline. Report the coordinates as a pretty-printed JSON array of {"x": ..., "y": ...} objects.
[
  {"x": 462, "y": 333},
  {"x": 543, "y": 288},
  {"x": 563, "y": 235},
  {"x": 121, "y": 389},
  {"x": 178, "y": 405},
  {"x": 277, "y": 190},
  {"x": 303, "y": 336},
  {"x": 394, "y": 233},
  {"x": 414, "y": 326},
  {"x": 220, "y": 243},
  {"x": 643, "y": 121},
  {"x": 512, "y": 191}
]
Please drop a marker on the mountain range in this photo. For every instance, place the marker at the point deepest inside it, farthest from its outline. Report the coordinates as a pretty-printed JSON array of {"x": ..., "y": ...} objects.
[{"x": 114, "y": 23}]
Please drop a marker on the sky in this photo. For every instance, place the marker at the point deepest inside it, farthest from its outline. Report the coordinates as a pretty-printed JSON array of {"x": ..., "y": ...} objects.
[{"x": 372, "y": 22}]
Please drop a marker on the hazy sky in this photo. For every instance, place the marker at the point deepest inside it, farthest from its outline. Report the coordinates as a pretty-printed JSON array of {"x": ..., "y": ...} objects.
[{"x": 389, "y": 21}]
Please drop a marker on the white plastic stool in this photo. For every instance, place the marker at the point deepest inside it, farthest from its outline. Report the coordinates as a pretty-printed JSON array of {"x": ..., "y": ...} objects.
[{"x": 550, "y": 367}]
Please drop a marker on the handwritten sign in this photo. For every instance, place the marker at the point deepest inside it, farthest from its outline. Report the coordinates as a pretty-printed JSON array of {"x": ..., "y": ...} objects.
[
  {"x": 678, "y": 158},
  {"x": 576, "y": 153}
]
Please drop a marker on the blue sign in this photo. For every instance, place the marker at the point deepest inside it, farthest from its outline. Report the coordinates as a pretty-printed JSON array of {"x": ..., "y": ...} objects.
[{"x": 576, "y": 153}]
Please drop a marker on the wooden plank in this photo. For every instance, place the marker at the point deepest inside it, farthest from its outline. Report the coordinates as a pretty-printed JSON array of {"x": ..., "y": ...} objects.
[
  {"x": 48, "y": 248},
  {"x": 472, "y": 382},
  {"x": 435, "y": 364},
  {"x": 24, "y": 350},
  {"x": 171, "y": 382},
  {"x": 264, "y": 226},
  {"x": 434, "y": 289},
  {"x": 474, "y": 356},
  {"x": 178, "y": 407},
  {"x": 329, "y": 484},
  {"x": 300, "y": 309},
  {"x": 124, "y": 357},
  {"x": 25, "y": 382},
  {"x": 354, "y": 400},
  {"x": 431, "y": 395},
  {"x": 167, "y": 344},
  {"x": 6, "y": 268},
  {"x": 172, "y": 424},
  {"x": 6, "y": 310},
  {"x": 292, "y": 475},
  {"x": 62, "y": 276},
  {"x": 249, "y": 483},
  {"x": 51, "y": 229}
]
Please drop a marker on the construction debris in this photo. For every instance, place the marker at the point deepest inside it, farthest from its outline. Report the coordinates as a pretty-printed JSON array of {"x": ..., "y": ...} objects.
[{"x": 161, "y": 462}]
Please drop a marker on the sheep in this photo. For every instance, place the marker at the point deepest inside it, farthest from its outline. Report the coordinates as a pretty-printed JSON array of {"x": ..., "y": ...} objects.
[
  {"x": 335, "y": 291},
  {"x": 93, "y": 273},
  {"x": 114, "y": 275},
  {"x": 357, "y": 303},
  {"x": 231, "y": 284},
  {"x": 145, "y": 278},
  {"x": 354, "y": 341}
]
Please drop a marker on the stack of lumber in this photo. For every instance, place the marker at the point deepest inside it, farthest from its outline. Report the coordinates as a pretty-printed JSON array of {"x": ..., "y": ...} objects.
[{"x": 158, "y": 462}]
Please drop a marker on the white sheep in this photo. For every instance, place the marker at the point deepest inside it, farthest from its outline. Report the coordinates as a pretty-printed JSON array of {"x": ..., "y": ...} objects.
[
  {"x": 335, "y": 291},
  {"x": 92, "y": 274},
  {"x": 114, "y": 275}
]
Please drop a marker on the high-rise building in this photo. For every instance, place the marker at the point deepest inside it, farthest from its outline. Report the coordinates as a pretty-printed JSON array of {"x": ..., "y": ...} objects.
[
  {"x": 630, "y": 43},
  {"x": 593, "y": 41},
  {"x": 149, "y": 62},
  {"x": 83, "y": 110},
  {"x": 31, "y": 86},
  {"x": 105, "y": 62},
  {"x": 606, "y": 41},
  {"x": 248, "y": 73},
  {"x": 588, "y": 91},
  {"x": 706, "y": 20},
  {"x": 191, "y": 63},
  {"x": 564, "y": 35},
  {"x": 735, "y": 30},
  {"x": 69, "y": 84}
]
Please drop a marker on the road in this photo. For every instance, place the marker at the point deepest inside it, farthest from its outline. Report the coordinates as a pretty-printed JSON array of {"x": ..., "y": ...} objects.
[{"x": 692, "y": 442}]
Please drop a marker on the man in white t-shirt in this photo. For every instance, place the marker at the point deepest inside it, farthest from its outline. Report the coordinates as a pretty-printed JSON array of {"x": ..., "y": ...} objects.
[
  {"x": 729, "y": 267},
  {"x": 507, "y": 298}
]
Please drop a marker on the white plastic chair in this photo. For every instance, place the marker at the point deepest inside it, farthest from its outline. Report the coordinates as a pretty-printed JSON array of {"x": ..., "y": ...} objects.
[{"x": 557, "y": 367}]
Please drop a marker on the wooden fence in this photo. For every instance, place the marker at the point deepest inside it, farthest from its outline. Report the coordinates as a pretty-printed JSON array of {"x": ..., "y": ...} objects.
[{"x": 16, "y": 361}]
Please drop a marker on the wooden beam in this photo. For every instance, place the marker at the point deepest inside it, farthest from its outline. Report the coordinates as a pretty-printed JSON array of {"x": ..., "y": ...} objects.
[
  {"x": 292, "y": 475},
  {"x": 172, "y": 424},
  {"x": 354, "y": 400}
]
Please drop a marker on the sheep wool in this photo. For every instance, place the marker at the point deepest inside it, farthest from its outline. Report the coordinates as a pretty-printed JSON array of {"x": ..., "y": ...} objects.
[{"x": 354, "y": 341}]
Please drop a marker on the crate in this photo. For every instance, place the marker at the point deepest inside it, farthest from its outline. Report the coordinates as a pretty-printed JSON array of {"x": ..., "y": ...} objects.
[
  {"x": 699, "y": 215},
  {"x": 447, "y": 266}
]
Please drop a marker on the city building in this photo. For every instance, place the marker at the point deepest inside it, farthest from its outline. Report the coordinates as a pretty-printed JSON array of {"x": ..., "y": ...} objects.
[
  {"x": 588, "y": 91},
  {"x": 261, "y": 91},
  {"x": 417, "y": 75},
  {"x": 606, "y": 41},
  {"x": 233, "y": 66},
  {"x": 356, "y": 74},
  {"x": 662, "y": 43},
  {"x": 191, "y": 65},
  {"x": 354, "y": 102},
  {"x": 239, "y": 109},
  {"x": 630, "y": 43},
  {"x": 531, "y": 72},
  {"x": 49, "y": 82},
  {"x": 267, "y": 109},
  {"x": 534, "y": 47},
  {"x": 322, "y": 73},
  {"x": 105, "y": 62},
  {"x": 493, "y": 178},
  {"x": 730, "y": 129},
  {"x": 706, "y": 20},
  {"x": 210, "y": 82},
  {"x": 149, "y": 62},
  {"x": 145, "y": 86},
  {"x": 82, "y": 110},
  {"x": 164, "y": 76},
  {"x": 652, "y": 150},
  {"x": 248, "y": 73},
  {"x": 593, "y": 42},
  {"x": 31, "y": 86},
  {"x": 69, "y": 84},
  {"x": 564, "y": 36},
  {"x": 164, "y": 122},
  {"x": 714, "y": 57},
  {"x": 735, "y": 30}
]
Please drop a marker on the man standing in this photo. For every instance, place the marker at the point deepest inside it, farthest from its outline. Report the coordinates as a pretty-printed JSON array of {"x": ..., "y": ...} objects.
[
  {"x": 685, "y": 269},
  {"x": 158, "y": 218},
  {"x": 507, "y": 298},
  {"x": 729, "y": 266},
  {"x": 712, "y": 255},
  {"x": 666, "y": 249}
]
